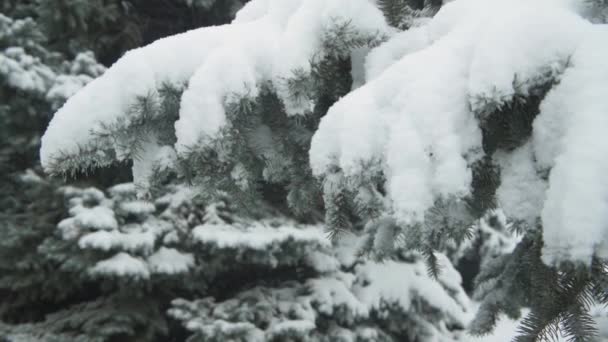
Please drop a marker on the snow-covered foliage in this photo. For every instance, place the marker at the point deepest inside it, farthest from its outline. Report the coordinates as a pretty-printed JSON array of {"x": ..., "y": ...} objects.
[
  {"x": 34, "y": 81},
  {"x": 391, "y": 301},
  {"x": 412, "y": 139},
  {"x": 126, "y": 228},
  {"x": 24, "y": 63},
  {"x": 363, "y": 135},
  {"x": 118, "y": 261},
  {"x": 417, "y": 121}
]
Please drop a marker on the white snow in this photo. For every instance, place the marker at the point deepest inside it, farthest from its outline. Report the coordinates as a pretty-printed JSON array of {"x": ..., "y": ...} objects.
[
  {"x": 412, "y": 120},
  {"x": 521, "y": 193},
  {"x": 25, "y": 72},
  {"x": 123, "y": 189},
  {"x": 257, "y": 236},
  {"x": 98, "y": 217},
  {"x": 122, "y": 264},
  {"x": 570, "y": 136},
  {"x": 401, "y": 44},
  {"x": 115, "y": 239},
  {"x": 170, "y": 261},
  {"x": 400, "y": 283},
  {"x": 138, "y": 207},
  {"x": 299, "y": 327},
  {"x": 64, "y": 87},
  {"x": 332, "y": 292}
]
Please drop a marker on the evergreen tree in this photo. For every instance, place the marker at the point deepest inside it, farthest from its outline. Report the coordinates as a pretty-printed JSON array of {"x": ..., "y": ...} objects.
[
  {"x": 405, "y": 138},
  {"x": 111, "y": 269},
  {"x": 33, "y": 82}
]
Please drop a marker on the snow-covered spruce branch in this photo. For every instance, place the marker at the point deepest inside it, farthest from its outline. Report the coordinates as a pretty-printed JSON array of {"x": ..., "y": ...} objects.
[{"x": 490, "y": 103}]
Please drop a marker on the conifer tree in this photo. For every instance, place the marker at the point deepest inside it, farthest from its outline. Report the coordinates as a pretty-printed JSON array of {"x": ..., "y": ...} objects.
[
  {"x": 404, "y": 138},
  {"x": 112, "y": 268}
]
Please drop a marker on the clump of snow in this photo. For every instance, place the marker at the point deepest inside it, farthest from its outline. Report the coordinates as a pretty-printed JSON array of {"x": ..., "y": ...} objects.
[
  {"x": 124, "y": 189},
  {"x": 289, "y": 328},
  {"x": 170, "y": 261},
  {"x": 401, "y": 283},
  {"x": 25, "y": 72},
  {"x": 122, "y": 264},
  {"x": 115, "y": 239},
  {"x": 257, "y": 236},
  {"x": 98, "y": 217},
  {"x": 137, "y": 207},
  {"x": 322, "y": 262},
  {"x": 521, "y": 193},
  {"x": 30, "y": 177},
  {"x": 569, "y": 135}
]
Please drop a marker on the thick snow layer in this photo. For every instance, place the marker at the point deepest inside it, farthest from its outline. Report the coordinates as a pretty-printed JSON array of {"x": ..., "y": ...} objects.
[
  {"x": 170, "y": 261},
  {"x": 122, "y": 264},
  {"x": 267, "y": 41},
  {"x": 401, "y": 44},
  {"x": 570, "y": 135},
  {"x": 521, "y": 193},
  {"x": 258, "y": 236}
]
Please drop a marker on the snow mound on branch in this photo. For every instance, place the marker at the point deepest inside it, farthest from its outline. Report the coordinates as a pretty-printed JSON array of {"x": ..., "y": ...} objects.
[
  {"x": 106, "y": 240},
  {"x": 569, "y": 135},
  {"x": 170, "y": 261},
  {"x": 267, "y": 42},
  {"x": 416, "y": 121},
  {"x": 521, "y": 193},
  {"x": 258, "y": 236},
  {"x": 122, "y": 264},
  {"x": 401, "y": 283},
  {"x": 98, "y": 218}
]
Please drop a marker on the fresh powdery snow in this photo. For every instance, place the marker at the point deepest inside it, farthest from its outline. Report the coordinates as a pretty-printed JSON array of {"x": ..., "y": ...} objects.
[{"x": 257, "y": 236}]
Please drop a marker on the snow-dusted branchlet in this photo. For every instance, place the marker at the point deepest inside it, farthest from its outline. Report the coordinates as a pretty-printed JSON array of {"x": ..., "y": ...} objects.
[{"x": 414, "y": 134}]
